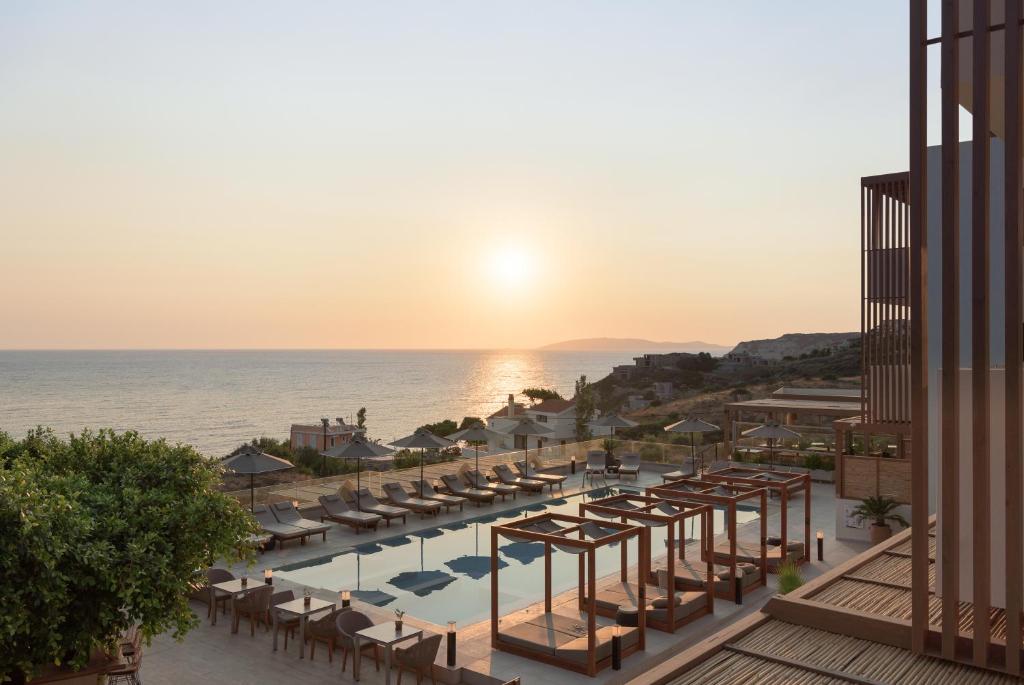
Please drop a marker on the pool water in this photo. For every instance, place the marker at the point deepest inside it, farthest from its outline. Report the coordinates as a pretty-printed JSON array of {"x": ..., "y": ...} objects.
[{"x": 443, "y": 574}]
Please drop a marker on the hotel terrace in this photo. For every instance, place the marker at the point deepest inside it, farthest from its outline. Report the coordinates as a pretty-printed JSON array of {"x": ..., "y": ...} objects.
[{"x": 675, "y": 579}]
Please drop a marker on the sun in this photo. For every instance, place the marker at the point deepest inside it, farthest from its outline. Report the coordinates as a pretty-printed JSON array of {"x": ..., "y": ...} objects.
[{"x": 510, "y": 265}]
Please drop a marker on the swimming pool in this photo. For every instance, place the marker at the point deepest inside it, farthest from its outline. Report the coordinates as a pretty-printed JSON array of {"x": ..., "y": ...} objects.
[{"x": 442, "y": 574}]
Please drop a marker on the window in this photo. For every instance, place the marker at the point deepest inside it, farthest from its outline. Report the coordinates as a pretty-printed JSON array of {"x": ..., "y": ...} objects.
[{"x": 541, "y": 418}]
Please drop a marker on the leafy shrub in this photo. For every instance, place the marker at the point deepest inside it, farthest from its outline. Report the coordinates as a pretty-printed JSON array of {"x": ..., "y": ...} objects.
[
  {"x": 789, "y": 577},
  {"x": 814, "y": 462},
  {"x": 651, "y": 453}
]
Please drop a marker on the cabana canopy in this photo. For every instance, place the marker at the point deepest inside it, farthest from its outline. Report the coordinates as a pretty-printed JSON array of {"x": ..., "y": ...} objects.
[
  {"x": 553, "y": 638},
  {"x": 656, "y": 512}
]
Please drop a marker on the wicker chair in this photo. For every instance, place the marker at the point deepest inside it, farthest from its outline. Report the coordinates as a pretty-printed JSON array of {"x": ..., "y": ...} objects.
[
  {"x": 255, "y": 606},
  {"x": 348, "y": 624},
  {"x": 288, "y": 625},
  {"x": 418, "y": 658},
  {"x": 214, "y": 576},
  {"x": 323, "y": 629}
]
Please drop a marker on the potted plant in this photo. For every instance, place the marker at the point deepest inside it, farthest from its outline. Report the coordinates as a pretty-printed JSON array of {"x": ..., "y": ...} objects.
[
  {"x": 398, "y": 620},
  {"x": 880, "y": 510}
]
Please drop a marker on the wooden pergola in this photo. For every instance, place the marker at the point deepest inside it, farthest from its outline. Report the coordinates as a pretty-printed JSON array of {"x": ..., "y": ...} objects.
[
  {"x": 728, "y": 496},
  {"x": 655, "y": 512},
  {"x": 570, "y": 534},
  {"x": 783, "y": 482}
]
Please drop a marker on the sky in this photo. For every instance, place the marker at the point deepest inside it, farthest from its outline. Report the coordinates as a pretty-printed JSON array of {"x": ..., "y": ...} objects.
[{"x": 457, "y": 174}]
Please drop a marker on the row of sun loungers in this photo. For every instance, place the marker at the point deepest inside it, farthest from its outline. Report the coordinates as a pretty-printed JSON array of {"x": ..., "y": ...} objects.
[{"x": 282, "y": 521}]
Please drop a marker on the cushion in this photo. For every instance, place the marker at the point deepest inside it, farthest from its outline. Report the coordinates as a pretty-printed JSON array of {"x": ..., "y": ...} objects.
[{"x": 662, "y": 602}]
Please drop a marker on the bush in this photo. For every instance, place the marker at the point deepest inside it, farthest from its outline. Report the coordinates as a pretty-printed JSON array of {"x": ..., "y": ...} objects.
[
  {"x": 101, "y": 532},
  {"x": 651, "y": 453},
  {"x": 814, "y": 462},
  {"x": 789, "y": 577}
]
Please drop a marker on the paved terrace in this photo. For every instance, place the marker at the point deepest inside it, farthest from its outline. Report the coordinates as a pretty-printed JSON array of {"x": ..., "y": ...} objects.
[{"x": 213, "y": 654}]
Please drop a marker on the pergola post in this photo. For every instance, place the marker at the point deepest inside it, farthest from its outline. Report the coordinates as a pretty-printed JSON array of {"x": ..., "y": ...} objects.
[
  {"x": 784, "y": 523},
  {"x": 547, "y": 577},
  {"x": 592, "y": 611},
  {"x": 764, "y": 536},
  {"x": 807, "y": 517},
  {"x": 645, "y": 572},
  {"x": 708, "y": 528},
  {"x": 494, "y": 588}
]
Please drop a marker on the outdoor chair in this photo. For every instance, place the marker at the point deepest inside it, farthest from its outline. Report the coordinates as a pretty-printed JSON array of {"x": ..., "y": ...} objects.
[
  {"x": 630, "y": 465},
  {"x": 280, "y": 531},
  {"x": 214, "y": 576},
  {"x": 427, "y": 491},
  {"x": 456, "y": 487},
  {"x": 595, "y": 465},
  {"x": 323, "y": 629},
  {"x": 506, "y": 476},
  {"x": 678, "y": 474},
  {"x": 337, "y": 510},
  {"x": 255, "y": 606},
  {"x": 348, "y": 624},
  {"x": 367, "y": 502},
  {"x": 418, "y": 658},
  {"x": 286, "y": 513},
  {"x": 478, "y": 480},
  {"x": 400, "y": 498},
  {"x": 550, "y": 478},
  {"x": 289, "y": 625}
]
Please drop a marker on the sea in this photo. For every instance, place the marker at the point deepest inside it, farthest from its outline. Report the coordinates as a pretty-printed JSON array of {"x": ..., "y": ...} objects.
[{"x": 217, "y": 399}]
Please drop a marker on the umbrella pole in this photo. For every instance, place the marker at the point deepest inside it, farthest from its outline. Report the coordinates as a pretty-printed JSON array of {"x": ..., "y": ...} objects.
[
  {"x": 421, "y": 471},
  {"x": 477, "y": 448},
  {"x": 359, "y": 484},
  {"x": 693, "y": 458},
  {"x": 252, "y": 497}
]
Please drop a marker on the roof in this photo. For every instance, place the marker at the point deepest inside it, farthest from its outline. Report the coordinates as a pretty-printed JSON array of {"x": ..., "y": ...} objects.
[
  {"x": 518, "y": 410},
  {"x": 804, "y": 638},
  {"x": 821, "y": 407},
  {"x": 553, "y": 406},
  {"x": 332, "y": 429},
  {"x": 838, "y": 394}
]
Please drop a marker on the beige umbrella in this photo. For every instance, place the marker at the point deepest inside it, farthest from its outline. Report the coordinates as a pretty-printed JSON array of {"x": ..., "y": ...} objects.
[
  {"x": 425, "y": 440},
  {"x": 772, "y": 432},
  {"x": 613, "y": 421},
  {"x": 358, "y": 448},
  {"x": 476, "y": 434},
  {"x": 528, "y": 427},
  {"x": 692, "y": 426},
  {"x": 250, "y": 459}
]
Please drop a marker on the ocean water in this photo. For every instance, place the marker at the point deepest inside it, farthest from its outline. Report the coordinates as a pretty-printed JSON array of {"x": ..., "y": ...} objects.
[{"x": 215, "y": 399}]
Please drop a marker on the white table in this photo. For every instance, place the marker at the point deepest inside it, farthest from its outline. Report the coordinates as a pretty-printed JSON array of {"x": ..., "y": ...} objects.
[
  {"x": 235, "y": 589},
  {"x": 299, "y": 608},
  {"x": 385, "y": 635}
]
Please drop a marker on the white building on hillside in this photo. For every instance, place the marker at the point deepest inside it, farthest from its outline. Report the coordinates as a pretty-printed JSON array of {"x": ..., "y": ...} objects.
[{"x": 558, "y": 415}]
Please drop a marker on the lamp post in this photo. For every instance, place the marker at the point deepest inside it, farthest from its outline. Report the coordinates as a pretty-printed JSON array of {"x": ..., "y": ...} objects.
[
  {"x": 451, "y": 644},
  {"x": 616, "y": 648},
  {"x": 346, "y": 598},
  {"x": 268, "y": 576},
  {"x": 323, "y": 464},
  {"x": 821, "y": 545}
]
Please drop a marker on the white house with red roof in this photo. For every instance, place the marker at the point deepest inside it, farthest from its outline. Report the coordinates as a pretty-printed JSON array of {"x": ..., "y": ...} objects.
[{"x": 556, "y": 414}]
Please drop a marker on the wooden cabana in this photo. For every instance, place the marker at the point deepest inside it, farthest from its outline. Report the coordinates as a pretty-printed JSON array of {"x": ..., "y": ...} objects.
[
  {"x": 696, "y": 598},
  {"x": 746, "y": 570},
  {"x": 786, "y": 483},
  {"x": 556, "y": 639}
]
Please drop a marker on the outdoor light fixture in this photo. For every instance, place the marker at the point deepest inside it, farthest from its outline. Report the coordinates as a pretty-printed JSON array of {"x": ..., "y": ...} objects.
[
  {"x": 451, "y": 644},
  {"x": 739, "y": 590},
  {"x": 572, "y": 464},
  {"x": 245, "y": 581},
  {"x": 346, "y": 599},
  {"x": 616, "y": 647},
  {"x": 268, "y": 576},
  {"x": 821, "y": 545}
]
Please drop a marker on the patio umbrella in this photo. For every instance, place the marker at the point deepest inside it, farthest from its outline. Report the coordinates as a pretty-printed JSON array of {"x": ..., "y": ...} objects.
[
  {"x": 692, "y": 426},
  {"x": 358, "y": 448},
  {"x": 250, "y": 459},
  {"x": 425, "y": 440},
  {"x": 528, "y": 427},
  {"x": 771, "y": 432},
  {"x": 613, "y": 421},
  {"x": 476, "y": 434}
]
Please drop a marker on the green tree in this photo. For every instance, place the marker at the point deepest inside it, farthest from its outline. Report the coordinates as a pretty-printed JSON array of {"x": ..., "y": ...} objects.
[
  {"x": 361, "y": 417},
  {"x": 470, "y": 421},
  {"x": 442, "y": 428},
  {"x": 540, "y": 394},
  {"x": 101, "y": 532},
  {"x": 586, "y": 405}
]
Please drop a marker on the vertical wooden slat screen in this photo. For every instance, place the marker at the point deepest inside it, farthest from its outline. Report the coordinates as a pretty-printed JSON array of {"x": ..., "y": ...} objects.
[
  {"x": 1013, "y": 237},
  {"x": 918, "y": 217},
  {"x": 980, "y": 482},
  {"x": 950, "y": 407}
]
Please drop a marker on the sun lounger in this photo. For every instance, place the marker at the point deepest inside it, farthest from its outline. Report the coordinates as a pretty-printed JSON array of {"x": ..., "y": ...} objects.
[
  {"x": 335, "y": 509},
  {"x": 478, "y": 480},
  {"x": 400, "y": 498},
  {"x": 552, "y": 478},
  {"x": 456, "y": 487},
  {"x": 367, "y": 502},
  {"x": 280, "y": 531},
  {"x": 688, "y": 604},
  {"x": 750, "y": 552},
  {"x": 286, "y": 513},
  {"x": 630, "y": 465},
  {"x": 558, "y": 639},
  {"x": 427, "y": 491},
  {"x": 506, "y": 476},
  {"x": 676, "y": 475}
]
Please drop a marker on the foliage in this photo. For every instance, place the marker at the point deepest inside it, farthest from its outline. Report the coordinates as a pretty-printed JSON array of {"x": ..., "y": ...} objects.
[
  {"x": 442, "y": 428},
  {"x": 702, "y": 361},
  {"x": 100, "y": 532},
  {"x": 470, "y": 421},
  {"x": 541, "y": 394},
  {"x": 789, "y": 576},
  {"x": 610, "y": 445},
  {"x": 651, "y": 453},
  {"x": 361, "y": 418},
  {"x": 407, "y": 459},
  {"x": 586, "y": 405},
  {"x": 814, "y": 462},
  {"x": 879, "y": 510}
]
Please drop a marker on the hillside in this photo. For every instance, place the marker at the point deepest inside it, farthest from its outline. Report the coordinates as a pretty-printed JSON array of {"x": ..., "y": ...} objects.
[
  {"x": 637, "y": 345},
  {"x": 792, "y": 344}
]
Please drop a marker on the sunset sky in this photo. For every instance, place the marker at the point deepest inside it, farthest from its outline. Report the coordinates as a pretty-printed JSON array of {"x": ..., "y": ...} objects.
[{"x": 455, "y": 174}]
